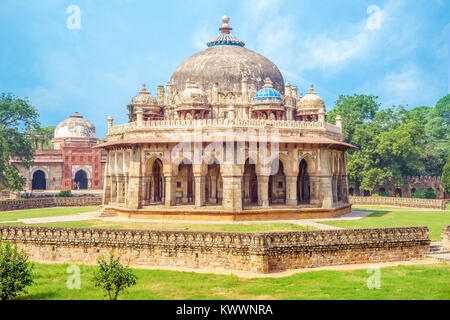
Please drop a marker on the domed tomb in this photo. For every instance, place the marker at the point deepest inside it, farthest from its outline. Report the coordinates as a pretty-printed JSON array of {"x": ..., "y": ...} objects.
[
  {"x": 75, "y": 127},
  {"x": 226, "y": 62},
  {"x": 309, "y": 106},
  {"x": 147, "y": 103},
  {"x": 192, "y": 103}
]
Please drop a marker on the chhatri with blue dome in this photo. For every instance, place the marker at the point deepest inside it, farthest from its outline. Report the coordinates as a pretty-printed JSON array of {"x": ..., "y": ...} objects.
[{"x": 268, "y": 103}]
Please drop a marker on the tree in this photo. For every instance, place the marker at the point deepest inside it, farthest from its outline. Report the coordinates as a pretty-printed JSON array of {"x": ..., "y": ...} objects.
[
  {"x": 16, "y": 273},
  {"x": 445, "y": 179},
  {"x": 113, "y": 277},
  {"x": 16, "y": 118}
]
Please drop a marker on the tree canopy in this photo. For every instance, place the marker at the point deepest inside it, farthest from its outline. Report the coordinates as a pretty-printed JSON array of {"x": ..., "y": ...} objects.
[
  {"x": 392, "y": 142},
  {"x": 17, "y": 117}
]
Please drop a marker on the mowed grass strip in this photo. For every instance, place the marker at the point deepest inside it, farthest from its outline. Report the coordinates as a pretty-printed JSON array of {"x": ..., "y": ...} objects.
[
  {"x": 400, "y": 282},
  {"x": 400, "y": 217},
  {"x": 174, "y": 226},
  {"x": 44, "y": 212}
]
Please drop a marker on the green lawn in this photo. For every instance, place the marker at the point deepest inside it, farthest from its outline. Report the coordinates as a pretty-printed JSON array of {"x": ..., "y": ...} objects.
[
  {"x": 43, "y": 212},
  {"x": 400, "y": 282},
  {"x": 400, "y": 217},
  {"x": 238, "y": 227}
]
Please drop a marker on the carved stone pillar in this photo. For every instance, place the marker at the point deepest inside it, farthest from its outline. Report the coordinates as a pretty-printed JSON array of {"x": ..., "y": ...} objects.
[
  {"x": 134, "y": 200},
  {"x": 170, "y": 191},
  {"x": 200, "y": 182},
  {"x": 263, "y": 190},
  {"x": 291, "y": 191},
  {"x": 213, "y": 190}
]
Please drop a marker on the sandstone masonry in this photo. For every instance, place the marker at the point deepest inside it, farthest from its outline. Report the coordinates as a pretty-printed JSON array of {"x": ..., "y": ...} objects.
[
  {"x": 8, "y": 205},
  {"x": 400, "y": 202},
  {"x": 253, "y": 252}
]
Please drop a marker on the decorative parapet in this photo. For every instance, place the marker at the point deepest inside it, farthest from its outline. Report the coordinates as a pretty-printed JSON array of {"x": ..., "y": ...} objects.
[
  {"x": 255, "y": 252},
  {"x": 400, "y": 202},
  {"x": 9, "y": 205},
  {"x": 222, "y": 123}
]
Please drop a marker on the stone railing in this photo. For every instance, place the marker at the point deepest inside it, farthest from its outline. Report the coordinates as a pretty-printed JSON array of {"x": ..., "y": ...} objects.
[
  {"x": 446, "y": 238},
  {"x": 222, "y": 123},
  {"x": 34, "y": 203},
  {"x": 254, "y": 252},
  {"x": 399, "y": 202}
]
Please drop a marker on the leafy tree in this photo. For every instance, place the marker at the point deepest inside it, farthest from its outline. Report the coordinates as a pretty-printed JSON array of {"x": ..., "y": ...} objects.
[
  {"x": 42, "y": 137},
  {"x": 445, "y": 179},
  {"x": 16, "y": 118},
  {"x": 113, "y": 277},
  {"x": 355, "y": 110},
  {"x": 16, "y": 273}
]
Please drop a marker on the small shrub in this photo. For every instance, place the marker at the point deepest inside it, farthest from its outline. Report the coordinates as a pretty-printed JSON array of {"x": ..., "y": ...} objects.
[
  {"x": 375, "y": 195},
  {"x": 424, "y": 194},
  {"x": 113, "y": 277},
  {"x": 65, "y": 194},
  {"x": 16, "y": 272}
]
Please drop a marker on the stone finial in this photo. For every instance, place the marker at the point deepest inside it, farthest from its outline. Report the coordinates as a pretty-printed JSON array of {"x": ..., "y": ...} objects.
[
  {"x": 225, "y": 28},
  {"x": 268, "y": 83},
  {"x": 139, "y": 116},
  {"x": 110, "y": 122},
  {"x": 144, "y": 89},
  {"x": 311, "y": 89},
  {"x": 339, "y": 121}
]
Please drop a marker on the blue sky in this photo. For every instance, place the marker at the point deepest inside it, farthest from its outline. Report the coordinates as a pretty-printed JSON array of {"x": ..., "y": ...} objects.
[{"x": 397, "y": 50}]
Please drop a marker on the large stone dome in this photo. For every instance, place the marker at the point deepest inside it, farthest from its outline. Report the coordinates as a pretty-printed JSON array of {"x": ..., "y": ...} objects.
[
  {"x": 75, "y": 127},
  {"x": 226, "y": 62}
]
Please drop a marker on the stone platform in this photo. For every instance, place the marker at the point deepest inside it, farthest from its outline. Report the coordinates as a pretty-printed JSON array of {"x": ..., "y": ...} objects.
[{"x": 217, "y": 213}]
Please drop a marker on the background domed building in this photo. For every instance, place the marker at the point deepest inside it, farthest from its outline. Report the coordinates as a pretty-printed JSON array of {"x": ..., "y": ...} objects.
[
  {"x": 72, "y": 163},
  {"x": 233, "y": 142}
]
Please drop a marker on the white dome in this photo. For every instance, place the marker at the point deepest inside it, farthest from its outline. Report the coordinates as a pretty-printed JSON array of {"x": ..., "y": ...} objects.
[{"x": 75, "y": 127}]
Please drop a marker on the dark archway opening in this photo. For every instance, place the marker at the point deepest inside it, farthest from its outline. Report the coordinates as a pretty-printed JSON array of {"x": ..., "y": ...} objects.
[
  {"x": 157, "y": 174},
  {"x": 250, "y": 185},
  {"x": 303, "y": 184},
  {"x": 81, "y": 180},
  {"x": 39, "y": 182},
  {"x": 277, "y": 183}
]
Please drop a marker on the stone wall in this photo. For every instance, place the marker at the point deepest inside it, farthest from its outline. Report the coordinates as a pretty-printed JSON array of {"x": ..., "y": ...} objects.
[
  {"x": 34, "y": 203},
  {"x": 399, "y": 202},
  {"x": 253, "y": 252},
  {"x": 446, "y": 238}
]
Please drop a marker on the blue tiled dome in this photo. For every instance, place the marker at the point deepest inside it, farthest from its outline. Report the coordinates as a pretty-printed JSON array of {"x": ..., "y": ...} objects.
[{"x": 268, "y": 94}]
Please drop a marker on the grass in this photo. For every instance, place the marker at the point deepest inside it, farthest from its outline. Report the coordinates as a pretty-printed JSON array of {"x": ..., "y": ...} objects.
[
  {"x": 400, "y": 217},
  {"x": 400, "y": 282},
  {"x": 44, "y": 212},
  {"x": 240, "y": 227}
]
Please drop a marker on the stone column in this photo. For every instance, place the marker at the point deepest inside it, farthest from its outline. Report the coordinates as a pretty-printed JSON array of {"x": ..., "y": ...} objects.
[
  {"x": 232, "y": 193},
  {"x": 327, "y": 192},
  {"x": 120, "y": 185},
  {"x": 263, "y": 190},
  {"x": 107, "y": 182},
  {"x": 134, "y": 200},
  {"x": 170, "y": 191},
  {"x": 291, "y": 191},
  {"x": 200, "y": 182},
  {"x": 213, "y": 190}
]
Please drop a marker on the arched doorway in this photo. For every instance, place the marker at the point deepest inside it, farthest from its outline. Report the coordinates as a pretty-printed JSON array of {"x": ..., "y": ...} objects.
[
  {"x": 39, "y": 182},
  {"x": 303, "y": 184},
  {"x": 351, "y": 191},
  {"x": 398, "y": 192},
  {"x": 157, "y": 190},
  {"x": 250, "y": 185},
  {"x": 213, "y": 188},
  {"x": 81, "y": 180},
  {"x": 185, "y": 183},
  {"x": 277, "y": 183}
]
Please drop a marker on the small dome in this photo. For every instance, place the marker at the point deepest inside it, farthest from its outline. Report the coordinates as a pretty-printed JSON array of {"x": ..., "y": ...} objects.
[
  {"x": 144, "y": 98},
  {"x": 311, "y": 101},
  {"x": 75, "y": 127},
  {"x": 193, "y": 95},
  {"x": 267, "y": 95}
]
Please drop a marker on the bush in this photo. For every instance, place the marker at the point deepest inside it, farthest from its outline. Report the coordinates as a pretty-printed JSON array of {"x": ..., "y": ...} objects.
[
  {"x": 424, "y": 194},
  {"x": 16, "y": 272},
  {"x": 375, "y": 195},
  {"x": 113, "y": 276},
  {"x": 65, "y": 194}
]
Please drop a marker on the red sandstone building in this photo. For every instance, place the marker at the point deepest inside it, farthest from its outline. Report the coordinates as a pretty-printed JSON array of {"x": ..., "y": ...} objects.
[{"x": 72, "y": 164}]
